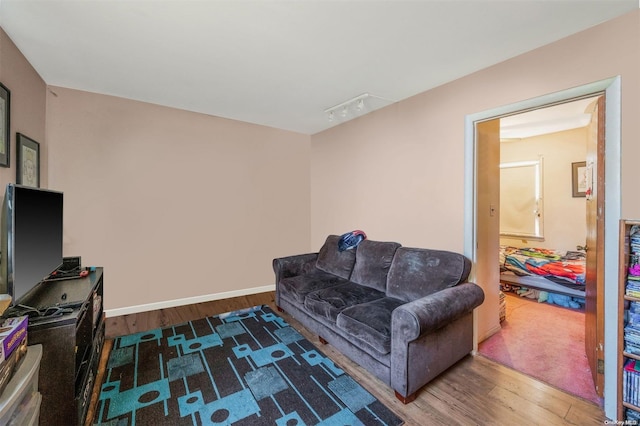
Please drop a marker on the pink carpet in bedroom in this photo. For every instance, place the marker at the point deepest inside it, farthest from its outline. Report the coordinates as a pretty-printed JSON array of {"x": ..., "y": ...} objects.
[{"x": 545, "y": 342}]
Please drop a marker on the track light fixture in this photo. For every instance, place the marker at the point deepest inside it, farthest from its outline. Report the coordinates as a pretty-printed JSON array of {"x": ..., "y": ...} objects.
[{"x": 354, "y": 107}]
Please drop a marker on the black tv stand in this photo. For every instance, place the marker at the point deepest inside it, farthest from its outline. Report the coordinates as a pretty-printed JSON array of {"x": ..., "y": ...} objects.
[{"x": 71, "y": 340}]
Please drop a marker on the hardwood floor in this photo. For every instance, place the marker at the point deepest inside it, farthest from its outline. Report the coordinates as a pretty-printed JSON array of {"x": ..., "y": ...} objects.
[{"x": 476, "y": 391}]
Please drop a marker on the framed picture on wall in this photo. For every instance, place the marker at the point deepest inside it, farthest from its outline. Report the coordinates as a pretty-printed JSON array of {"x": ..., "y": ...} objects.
[
  {"x": 5, "y": 142},
  {"x": 28, "y": 159},
  {"x": 579, "y": 179}
]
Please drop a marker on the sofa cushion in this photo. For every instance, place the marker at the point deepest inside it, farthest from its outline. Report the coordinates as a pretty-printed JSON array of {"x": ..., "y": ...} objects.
[
  {"x": 370, "y": 322},
  {"x": 296, "y": 288},
  {"x": 329, "y": 302},
  {"x": 373, "y": 259},
  {"x": 416, "y": 272},
  {"x": 333, "y": 261}
]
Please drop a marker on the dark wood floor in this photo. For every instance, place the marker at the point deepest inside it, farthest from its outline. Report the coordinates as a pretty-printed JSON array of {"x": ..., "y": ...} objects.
[{"x": 476, "y": 391}]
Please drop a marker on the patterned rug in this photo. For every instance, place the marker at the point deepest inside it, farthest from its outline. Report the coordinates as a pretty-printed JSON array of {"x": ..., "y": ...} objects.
[{"x": 246, "y": 367}]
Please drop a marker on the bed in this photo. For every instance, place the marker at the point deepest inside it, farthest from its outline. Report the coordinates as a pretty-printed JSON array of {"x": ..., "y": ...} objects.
[{"x": 555, "y": 271}]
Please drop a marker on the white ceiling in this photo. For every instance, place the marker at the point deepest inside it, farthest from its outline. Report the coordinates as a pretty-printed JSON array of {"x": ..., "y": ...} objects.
[
  {"x": 282, "y": 63},
  {"x": 542, "y": 121}
]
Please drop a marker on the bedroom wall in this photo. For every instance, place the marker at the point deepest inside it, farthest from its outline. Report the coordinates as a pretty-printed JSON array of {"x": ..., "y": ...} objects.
[
  {"x": 564, "y": 215},
  {"x": 28, "y": 107},
  {"x": 178, "y": 207}
]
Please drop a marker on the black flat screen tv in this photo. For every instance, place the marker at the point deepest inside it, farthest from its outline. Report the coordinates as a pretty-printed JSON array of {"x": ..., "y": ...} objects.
[{"x": 31, "y": 238}]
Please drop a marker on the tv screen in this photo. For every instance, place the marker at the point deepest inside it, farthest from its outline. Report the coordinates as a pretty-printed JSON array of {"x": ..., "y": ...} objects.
[{"x": 31, "y": 238}]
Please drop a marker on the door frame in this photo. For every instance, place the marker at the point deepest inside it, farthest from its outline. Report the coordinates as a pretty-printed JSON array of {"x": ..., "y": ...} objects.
[{"x": 612, "y": 89}]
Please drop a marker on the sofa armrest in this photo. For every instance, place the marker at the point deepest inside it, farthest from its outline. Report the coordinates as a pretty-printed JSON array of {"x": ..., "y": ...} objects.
[
  {"x": 292, "y": 266},
  {"x": 430, "y": 334},
  {"x": 427, "y": 314}
]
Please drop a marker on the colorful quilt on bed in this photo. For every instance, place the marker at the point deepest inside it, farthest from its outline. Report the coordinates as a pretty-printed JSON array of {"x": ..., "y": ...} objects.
[{"x": 562, "y": 267}]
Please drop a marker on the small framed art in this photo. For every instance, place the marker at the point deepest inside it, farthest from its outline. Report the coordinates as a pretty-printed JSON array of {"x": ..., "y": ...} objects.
[
  {"x": 28, "y": 159},
  {"x": 579, "y": 179},
  {"x": 5, "y": 142}
]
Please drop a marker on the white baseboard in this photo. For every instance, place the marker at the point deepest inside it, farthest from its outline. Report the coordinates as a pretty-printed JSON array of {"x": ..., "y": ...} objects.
[{"x": 186, "y": 301}]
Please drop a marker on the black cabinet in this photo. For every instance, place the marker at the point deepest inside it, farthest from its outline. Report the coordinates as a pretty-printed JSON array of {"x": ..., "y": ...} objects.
[{"x": 72, "y": 340}]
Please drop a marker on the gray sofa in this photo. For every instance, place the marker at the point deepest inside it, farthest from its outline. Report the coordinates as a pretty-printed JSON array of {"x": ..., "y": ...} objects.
[{"x": 404, "y": 314}]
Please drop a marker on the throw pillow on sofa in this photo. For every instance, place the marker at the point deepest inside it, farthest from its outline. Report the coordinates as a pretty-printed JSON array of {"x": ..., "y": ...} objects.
[
  {"x": 373, "y": 260},
  {"x": 417, "y": 273},
  {"x": 334, "y": 261}
]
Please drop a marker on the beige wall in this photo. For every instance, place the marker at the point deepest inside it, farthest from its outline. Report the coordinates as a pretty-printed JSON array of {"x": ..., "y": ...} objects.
[
  {"x": 175, "y": 204},
  {"x": 398, "y": 173},
  {"x": 28, "y": 103},
  {"x": 564, "y": 215}
]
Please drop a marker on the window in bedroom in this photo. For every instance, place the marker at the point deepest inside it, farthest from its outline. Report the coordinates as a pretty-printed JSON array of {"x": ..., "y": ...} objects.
[{"x": 521, "y": 213}]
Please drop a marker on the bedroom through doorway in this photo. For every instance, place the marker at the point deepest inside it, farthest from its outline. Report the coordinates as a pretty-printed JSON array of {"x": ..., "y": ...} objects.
[{"x": 543, "y": 211}]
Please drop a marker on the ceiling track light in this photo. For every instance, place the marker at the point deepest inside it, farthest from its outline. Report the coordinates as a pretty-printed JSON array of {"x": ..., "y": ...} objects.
[{"x": 352, "y": 107}]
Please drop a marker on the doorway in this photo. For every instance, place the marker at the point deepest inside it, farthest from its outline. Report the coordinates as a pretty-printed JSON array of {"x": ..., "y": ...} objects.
[
  {"x": 480, "y": 228},
  {"x": 542, "y": 222}
]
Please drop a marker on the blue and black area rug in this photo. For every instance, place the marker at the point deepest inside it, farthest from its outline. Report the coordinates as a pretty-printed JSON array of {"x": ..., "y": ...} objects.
[{"x": 246, "y": 367}]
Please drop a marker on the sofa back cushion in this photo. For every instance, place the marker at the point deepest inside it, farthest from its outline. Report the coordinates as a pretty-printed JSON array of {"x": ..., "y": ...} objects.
[
  {"x": 333, "y": 261},
  {"x": 416, "y": 272},
  {"x": 373, "y": 260}
]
